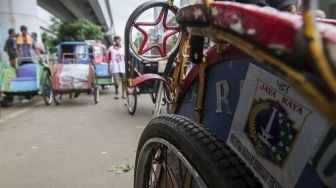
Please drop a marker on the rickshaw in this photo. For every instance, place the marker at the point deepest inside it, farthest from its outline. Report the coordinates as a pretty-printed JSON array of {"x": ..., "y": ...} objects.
[
  {"x": 73, "y": 72},
  {"x": 147, "y": 54},
  {"x": 256, "y": 110},
  {"x": 138, "y": 67},
  {"x": 26, "y": 80},
  {"x": 104, "y": 78}
]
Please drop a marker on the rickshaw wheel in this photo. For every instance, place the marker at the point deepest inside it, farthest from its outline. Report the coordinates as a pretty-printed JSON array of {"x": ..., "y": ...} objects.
[
  {"x": 133, "y": 20},
  {"x": 96, "y": 94},
  {"x": 174, "y": 152},
  {"x": 152, "y": 95},
  {"x": 131, "y": 100},
  {"x": 104, "y": 87},
  {"x": 57, "y": 98},
  {"x": 7, "y": 101},
  {"x": 47, "y": 90}
]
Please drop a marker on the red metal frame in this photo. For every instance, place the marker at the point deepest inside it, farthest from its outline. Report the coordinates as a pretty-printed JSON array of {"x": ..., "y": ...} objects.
[
  {"x": 162, "y": 16},
  {"x": 146, "y": 77},
  {"x": 273, "y": 29},
  {"x": 328, "y": 21}
]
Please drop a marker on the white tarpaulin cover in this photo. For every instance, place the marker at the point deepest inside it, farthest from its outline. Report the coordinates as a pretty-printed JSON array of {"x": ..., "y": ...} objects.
[{"x": 74, "y": 76}]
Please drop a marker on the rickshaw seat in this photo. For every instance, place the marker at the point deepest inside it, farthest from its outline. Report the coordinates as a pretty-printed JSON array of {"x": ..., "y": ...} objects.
[
  {"x": 102, "y": 70},
  {"x": 265, "y": 26},
  {"x": 23, "y": 79},
  {"x": 27, "y": 70},
  {"x": 20, "y": 85},
  {"x": 192, "y": 15}
]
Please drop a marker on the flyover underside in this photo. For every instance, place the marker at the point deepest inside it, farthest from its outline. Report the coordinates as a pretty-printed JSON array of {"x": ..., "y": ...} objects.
[{"x": 96, "y": 11}]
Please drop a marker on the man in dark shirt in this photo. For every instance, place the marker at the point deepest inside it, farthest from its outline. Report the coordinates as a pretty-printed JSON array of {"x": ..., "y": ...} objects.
[{"x": 11, "y": 48}]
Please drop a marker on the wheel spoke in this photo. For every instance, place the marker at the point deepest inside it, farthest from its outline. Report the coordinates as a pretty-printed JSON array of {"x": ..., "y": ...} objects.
[
  {"x": 162, "y": 174},
  {"x": 181, "y": 173},
  {"x": 165, "y": 166},
  {"x": 163, "y": 156},
  {"x": 187, "y": 183},
  {"x": 156, "y": 166},
  {"x": 173, "y": 179}
]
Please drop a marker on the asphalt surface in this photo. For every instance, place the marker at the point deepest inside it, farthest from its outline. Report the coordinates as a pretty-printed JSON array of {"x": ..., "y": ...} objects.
[{"x": 75, "y": 144}]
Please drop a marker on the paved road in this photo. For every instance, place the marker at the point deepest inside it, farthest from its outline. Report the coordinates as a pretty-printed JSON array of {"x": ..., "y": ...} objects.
[{"x": 71, "y": 145}]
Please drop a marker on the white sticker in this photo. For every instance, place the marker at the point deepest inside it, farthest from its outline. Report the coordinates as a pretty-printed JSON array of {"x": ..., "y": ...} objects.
[{"x": 274, "y": 130}]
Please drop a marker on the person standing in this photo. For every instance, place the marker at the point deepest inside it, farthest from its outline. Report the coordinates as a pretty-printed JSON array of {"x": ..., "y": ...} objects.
[
  {"x": 25, "y": 46},
  {"x": 116, "y": 66},
  {"x": 38, "y": 47},
  {"x": 10, "y": 47}
]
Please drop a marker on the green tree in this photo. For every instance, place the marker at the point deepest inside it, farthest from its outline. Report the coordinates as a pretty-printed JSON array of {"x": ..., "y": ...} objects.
[
  {"x": 55, "y": 24},
  {"x": 49, "y": 39},
  {"x": 49, "y": 42},
  {"x": 138, "y": 39},
  {"x": 79, "y": 30}
]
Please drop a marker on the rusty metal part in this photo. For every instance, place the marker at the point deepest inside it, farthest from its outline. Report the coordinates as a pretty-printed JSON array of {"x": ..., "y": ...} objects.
[
  {"x": 188, "y": 180},
  {"x": 178, "y": 74},
  {"x": 222, "y": 47},
  {"x": 201, "y": 89},
  {"x": 315, "y": 46}
]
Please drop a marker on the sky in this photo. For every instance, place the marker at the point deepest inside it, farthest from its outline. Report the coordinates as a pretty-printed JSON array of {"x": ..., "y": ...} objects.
[{"x": 121, "y": 10}]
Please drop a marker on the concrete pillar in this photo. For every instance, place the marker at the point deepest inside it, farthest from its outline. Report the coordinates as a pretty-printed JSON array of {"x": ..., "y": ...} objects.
[{"x": 13, "y": 14}]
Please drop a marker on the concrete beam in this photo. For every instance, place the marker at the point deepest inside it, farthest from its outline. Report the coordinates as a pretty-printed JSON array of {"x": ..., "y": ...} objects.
[
  {"x": 96, "y": 11},
  {"x": 58, "y": 9},
  {"x": 76, "y": 8},
  {"x": 100, "y": 12}
]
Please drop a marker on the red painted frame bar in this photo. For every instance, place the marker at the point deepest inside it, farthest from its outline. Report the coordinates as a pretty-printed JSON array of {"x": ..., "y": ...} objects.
[
  {"x": 162, "y": 50},
  {"x": 147, "y": 77}
]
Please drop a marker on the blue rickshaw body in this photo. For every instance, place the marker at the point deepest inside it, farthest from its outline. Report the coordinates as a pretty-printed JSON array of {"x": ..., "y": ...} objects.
[
  {"x": 224, "y": 91},
  {"x": 73, "y": 52},
  {"x": 25, "y": 79}
]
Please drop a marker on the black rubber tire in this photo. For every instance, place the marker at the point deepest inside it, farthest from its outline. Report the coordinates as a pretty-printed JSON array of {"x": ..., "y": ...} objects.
[
  {"x": 214, "y": 161},
  {"x": 47, "y": 90},
  {"x": 131, "y": 92},
  {"x": 7, "y": 101},
  {"x": 105, "y": 87},
  {"x": 57, "y": 98}
]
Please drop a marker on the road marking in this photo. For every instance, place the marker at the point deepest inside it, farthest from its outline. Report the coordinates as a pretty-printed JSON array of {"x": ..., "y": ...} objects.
[{"x": 19, "y": 112}]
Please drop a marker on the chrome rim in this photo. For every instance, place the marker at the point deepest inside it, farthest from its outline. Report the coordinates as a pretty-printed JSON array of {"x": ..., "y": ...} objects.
[{"x": 159, "y": 149}]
